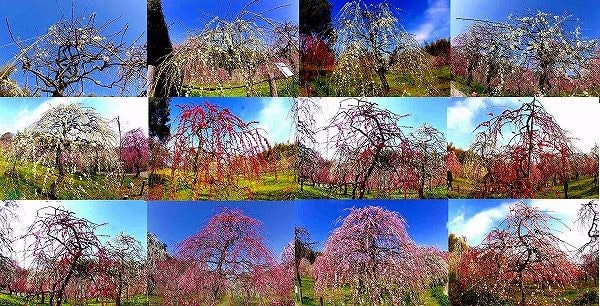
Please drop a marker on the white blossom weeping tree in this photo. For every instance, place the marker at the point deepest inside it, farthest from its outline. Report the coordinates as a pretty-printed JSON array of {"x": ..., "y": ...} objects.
[
  {"x": 371, "y": 42},
  {"x": 225, "y": 51},
  {"x": 67, "y": 146},
  {"x": 550, "y": 46},
  {"x": 128, "y": 256},
  {"x": 78, "y": 55}
]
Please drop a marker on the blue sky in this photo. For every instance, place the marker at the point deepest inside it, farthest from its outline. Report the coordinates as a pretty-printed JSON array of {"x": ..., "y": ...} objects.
[
  {"x": 187, "y": 16},
  {"x": 431, "y": 111},
  {"x": 172, "y": 222},
  {"x": 474, "y": 219},
  {"x": 272, "y": 114},
  {"x": 18, "y": 113},
  {"x": 585, "y": 10},
  {"x": 576, "y": 115},
  {"x": 426, "y": 219},
  {"x": 428, "y": 20},
  {"x": 32, "y": 18},
  {"x": 121, "y": 216}
]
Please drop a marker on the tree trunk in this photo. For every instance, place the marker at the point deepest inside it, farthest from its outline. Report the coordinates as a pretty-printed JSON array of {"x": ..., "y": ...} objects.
[
  {"x": 383, "y": 79},
  {"x": 566, "y": 188},
  {"x": 272, "y": 86},
  {"x": 521, "y": 289}
]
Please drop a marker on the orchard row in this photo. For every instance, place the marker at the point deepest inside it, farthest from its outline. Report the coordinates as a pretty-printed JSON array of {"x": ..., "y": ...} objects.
[
  {"x": 285, "y": 149},
  {"x": 463, "y": 252}
]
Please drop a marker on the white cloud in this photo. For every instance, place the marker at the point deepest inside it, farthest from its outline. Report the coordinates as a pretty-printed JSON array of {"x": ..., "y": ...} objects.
[
  {"x": 275, "y": 120},
  {"x": 578, "y": 116},
  {"x": 436, "y": 16},
  {"x": 475, "y": 228}
]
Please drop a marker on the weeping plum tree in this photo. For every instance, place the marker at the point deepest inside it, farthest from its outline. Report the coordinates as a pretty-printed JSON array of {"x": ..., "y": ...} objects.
[
  {"x": 361, "y": 134},
  {"x": 588, "y": 221},
  {"x": 372, "y": 255},
  {"x": 428, "y": 145},
  {"x": 551, "y": 47},
  {"x": 127, "y": 258},
  {"x": 513, "y": 161},
  {"x": 228, "y": 255},
  {"x": 522, "y": 254},
  {"x": 79, "y": 55},
  {"x": 7, "y": 214},
  {"x": 213, "y": 148},
  {"x": 303, "y": 112},
  {"x": 371, "y": 42},
  {"x": 248, "y": 44},
  {"x": 134, "y": 150},
  {"x": 60, "y": 243},
  {"x": 68, "y": 139}
]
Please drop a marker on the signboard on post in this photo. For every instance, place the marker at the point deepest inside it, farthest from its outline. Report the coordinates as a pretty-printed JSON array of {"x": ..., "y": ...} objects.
[{"x": 285, "y": 70}]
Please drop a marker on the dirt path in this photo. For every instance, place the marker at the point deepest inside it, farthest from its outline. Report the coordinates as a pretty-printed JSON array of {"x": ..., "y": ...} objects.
[{"x": 455, "y": 92}]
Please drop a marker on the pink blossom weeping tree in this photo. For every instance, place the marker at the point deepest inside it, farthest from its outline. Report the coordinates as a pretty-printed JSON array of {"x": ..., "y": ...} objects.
[
  {"x": 372, "y": 255},
  {"x": 68, "y": 142},
  {"x": 362, "y": 134},
  {"x": 134, "y": 151},
  {"x": 227, "y": 256},
  {"x": 60, "y": 244},
  {"x": 213, "y": 148}
]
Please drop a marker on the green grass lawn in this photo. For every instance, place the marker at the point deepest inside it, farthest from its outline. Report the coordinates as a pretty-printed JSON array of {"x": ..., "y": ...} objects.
[
  {"x": 285, "y": 88},
  {"x": 33, "y": 183},
  {"x": 567, "y": 295},
  {"x": 460, "y": 83},
  {"x": 8, "y": 300},
  {"x": 432, "y": 297},
  {"x": 400, "y": 84},
  {"x": 316, "y": 192},
  {"x": 582, "y": 188},
  {"x": 271, "y": 186}
]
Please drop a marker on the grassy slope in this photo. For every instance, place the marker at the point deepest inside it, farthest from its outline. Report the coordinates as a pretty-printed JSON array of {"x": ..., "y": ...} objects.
[
  {"x": 432, "y": 297},
  {"x": 314, "y": 192},
  {"x": 270, "y": 187},
  {"x": 578, "y": 189},
  {"x": 7, "y": 300},
  {"x": 28, "y": 185},
  {"x": 400, "y": 85},
  {"x": 461, "y": 84},
  {"x": 285, "y": 88}
]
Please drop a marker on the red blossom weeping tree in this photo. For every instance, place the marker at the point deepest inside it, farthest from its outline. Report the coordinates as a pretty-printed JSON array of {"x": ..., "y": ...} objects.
[
  {"x": 363, "y": 135},
  {"x": 213, "y": 149},
  {"x": 372, "y": 255},
  {"x": 134, "y": 151},
  {"x": 512, "y": 161},
  {"x": 228, "y": 256},
  {"x": 523, "y": 254},
  {"x": 452, "y": 162},
  {"x": 60, "y": 244}
]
